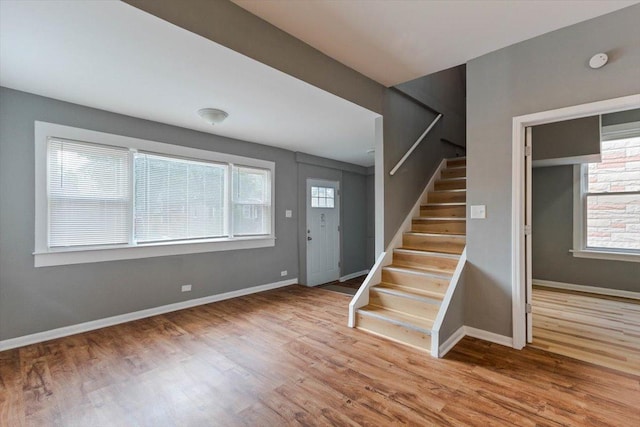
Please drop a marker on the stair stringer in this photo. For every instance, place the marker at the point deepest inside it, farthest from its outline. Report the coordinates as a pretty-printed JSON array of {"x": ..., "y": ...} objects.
[
  {"x": 437, "y": 324},
  {"x": 361, "y": 298}
]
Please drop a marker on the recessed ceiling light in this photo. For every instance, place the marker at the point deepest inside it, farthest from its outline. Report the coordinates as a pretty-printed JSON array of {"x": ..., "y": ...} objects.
[{"x": 213, "y": 115}]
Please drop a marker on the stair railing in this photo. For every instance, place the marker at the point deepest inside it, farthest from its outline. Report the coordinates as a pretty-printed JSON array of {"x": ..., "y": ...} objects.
[{"x": 415, "y": 145}]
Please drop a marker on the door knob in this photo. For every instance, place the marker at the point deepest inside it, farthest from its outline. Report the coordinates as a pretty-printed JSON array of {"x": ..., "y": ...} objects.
[{"x": 309, "y": 238}]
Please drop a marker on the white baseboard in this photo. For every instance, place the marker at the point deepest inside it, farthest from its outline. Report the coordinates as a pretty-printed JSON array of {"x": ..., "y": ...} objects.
[
  {"x": 128, "y": 317},
  {"x": 589, "y": 289},
  {"x": 489, "y": 336},
  {"x": 451, "y": 341},
  {"x": 353, "y": 275},
  {"x": 463, "y": 331}
]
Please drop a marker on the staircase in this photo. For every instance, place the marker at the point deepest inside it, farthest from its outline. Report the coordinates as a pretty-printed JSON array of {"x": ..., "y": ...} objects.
[{"x": 406, "y": 302}]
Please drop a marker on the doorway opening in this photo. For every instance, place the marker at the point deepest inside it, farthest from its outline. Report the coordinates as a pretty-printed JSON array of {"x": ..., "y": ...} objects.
[{"x": 522, "y": 276}]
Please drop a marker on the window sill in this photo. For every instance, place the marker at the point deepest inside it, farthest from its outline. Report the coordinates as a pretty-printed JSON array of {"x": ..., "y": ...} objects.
[
  {"x": 613, "y": 256},
  {"x": 75, "y": 256}
]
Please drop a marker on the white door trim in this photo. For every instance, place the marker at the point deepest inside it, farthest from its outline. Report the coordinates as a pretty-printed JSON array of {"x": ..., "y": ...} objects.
[{"x": 518, "y": 260}]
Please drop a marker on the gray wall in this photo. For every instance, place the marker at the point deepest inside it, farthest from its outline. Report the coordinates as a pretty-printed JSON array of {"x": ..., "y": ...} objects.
[
  {"x": 455, "y": 316},
  {"x": 39, "y": 299},
  {"x": 445, "y": 92},
  {"x": 553, "y": 237},
  {"x": 540, "y": 74},
  {"x": 569, "y": 138},
  {"x": 404, "y": 122},
  {"x": 355, "y": 208},
  {"x": 371, "y": 218},
  {"x": 229, "y": 25},
  {"x": 621, "y": 117}
]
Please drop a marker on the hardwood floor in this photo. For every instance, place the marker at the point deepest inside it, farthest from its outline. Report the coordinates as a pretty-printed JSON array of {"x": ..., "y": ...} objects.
[
  {"x": 349, "y": 287},
  {"x": 594, "y": 328},
  {"x": 286, "y": 357}
]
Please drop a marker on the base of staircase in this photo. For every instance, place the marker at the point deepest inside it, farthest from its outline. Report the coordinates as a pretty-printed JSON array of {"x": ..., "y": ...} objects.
[{"x": 469, "y": 331}]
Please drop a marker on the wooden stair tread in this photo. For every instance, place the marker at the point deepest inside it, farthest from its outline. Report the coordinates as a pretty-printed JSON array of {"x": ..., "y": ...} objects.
[
  {"x": 406, "y": 320},
  {"x": 418, "y": 233},
  {"x": 427, "y": 268},
  {"x": 418, "y": 272},
  {"x": 430, "y": 253},
  {"x": 438, "y": 218},
  {"x": 410, "y": 292},
  {"x": 457, "y": 178},
  {"x": 453, "y": 190},
  {"x": 444, "y": 233},
  {"x": 444, "y": 204}
]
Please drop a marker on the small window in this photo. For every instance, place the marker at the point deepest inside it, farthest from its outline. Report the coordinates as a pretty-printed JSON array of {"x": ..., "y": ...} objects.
[
  {"x": 251, "y": 201},
  {"x": 608, "y": 201},
  {"x": 322, "y": 197}
]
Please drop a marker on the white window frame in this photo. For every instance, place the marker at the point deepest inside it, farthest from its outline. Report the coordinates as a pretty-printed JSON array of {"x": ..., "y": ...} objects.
[
  {"x": 580, "y": 193},
  {"x": 45, "y": 256}
]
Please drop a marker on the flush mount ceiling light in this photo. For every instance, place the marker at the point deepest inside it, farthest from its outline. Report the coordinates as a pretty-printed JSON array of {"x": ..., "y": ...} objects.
[
  {"x": 598, "y": 60},
  {"x": 212, "y": 115}
]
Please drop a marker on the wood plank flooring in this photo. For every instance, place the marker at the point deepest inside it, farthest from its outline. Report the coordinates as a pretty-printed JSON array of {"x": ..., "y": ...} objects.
[
  {"x": 286, "y": 357},
  {"x": 592, "y": 328},
  {"x": 349, "y": 287}
]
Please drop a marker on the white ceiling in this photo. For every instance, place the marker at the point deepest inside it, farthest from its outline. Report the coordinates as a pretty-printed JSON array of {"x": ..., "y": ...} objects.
[
  {"x": 396, "y": 41},
  {"x": 112, "y": 56}
]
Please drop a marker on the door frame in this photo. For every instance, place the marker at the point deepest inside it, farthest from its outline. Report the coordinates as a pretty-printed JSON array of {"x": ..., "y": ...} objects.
[
  {"x": 338, "y": 206},
  {"x": 520, "y": 262}
]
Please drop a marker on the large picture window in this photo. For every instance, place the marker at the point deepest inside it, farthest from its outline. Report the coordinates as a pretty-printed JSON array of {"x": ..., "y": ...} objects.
[
  {"x": 608, "y": 203},
  {"x": 102, "y": 197}
]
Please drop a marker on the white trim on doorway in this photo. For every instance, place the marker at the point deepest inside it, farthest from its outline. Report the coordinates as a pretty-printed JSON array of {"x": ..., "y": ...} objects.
[{"x": 520, "y": 123}]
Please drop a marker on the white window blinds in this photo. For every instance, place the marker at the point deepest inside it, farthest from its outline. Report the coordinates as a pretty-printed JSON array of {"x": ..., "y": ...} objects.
[
  {"x": 251, "y": 201},
  {"x": 111, "y": 200},
  {"x": 178, "y": 199},
  {"x": 89, "y": 194}
]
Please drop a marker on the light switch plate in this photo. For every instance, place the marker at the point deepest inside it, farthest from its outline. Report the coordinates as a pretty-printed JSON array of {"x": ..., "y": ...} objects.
[
  {"x": 288, "y": 213},
  {"x": 478, "y": 212}
]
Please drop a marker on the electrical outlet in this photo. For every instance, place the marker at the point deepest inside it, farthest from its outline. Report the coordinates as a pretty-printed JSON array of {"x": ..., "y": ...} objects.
[
  {"x": 186, "y": 288},
  {"x": 288, "y": 213},
  {"x": 283, "y": 273}
]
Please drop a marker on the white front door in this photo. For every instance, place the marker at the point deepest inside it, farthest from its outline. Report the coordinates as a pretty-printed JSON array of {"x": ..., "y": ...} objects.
[{"x": 323, "y": 232}]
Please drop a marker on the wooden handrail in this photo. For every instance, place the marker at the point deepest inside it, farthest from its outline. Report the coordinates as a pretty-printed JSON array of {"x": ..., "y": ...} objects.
[{"x": 415, "y": 145}]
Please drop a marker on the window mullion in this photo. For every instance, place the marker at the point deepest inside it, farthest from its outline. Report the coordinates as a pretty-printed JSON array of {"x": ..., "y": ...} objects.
[
  {"x": 132, "y": 197},
  {"x": 231, "y": 203}
]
